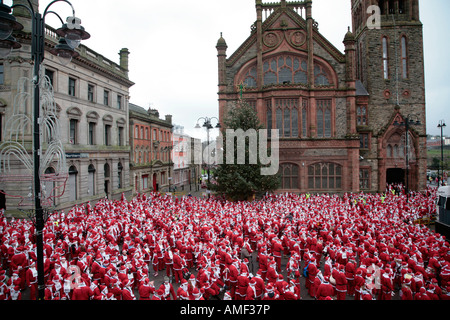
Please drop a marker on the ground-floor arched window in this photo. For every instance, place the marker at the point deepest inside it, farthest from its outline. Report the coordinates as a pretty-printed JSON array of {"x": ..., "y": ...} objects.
[
  {"x": 325, "y": 176},
  {"x": 289, "y": 176},
  {"x": 73, "y": 188}
]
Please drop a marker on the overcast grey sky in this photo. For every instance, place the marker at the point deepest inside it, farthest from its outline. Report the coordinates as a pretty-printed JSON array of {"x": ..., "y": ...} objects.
[{"x": 173, "y": 59}]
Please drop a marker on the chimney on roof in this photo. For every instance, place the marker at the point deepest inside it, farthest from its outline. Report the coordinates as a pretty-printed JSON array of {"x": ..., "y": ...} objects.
[{"x": 124, "y": 53}]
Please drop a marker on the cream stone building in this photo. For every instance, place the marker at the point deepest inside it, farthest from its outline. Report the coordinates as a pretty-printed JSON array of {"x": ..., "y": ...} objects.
[{"x": 91, "y": 94}]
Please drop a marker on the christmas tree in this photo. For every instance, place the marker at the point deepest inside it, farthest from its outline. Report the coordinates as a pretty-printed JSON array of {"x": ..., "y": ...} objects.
[{"x": 233, "y": 179}]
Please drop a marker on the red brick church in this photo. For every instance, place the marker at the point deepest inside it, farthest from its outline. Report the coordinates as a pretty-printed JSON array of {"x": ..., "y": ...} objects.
[{"x": 341, "y": 116}]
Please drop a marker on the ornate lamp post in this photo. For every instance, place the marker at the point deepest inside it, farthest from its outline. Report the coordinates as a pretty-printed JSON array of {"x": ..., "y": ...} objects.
[
  {"x": 442, "y": 125},
  {"x": 207, "y": 124},
  {"x": 71, "y": 34}
]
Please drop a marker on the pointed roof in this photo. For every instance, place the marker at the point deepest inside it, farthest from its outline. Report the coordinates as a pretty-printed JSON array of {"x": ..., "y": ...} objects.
[{"x": 221, "y": 43}]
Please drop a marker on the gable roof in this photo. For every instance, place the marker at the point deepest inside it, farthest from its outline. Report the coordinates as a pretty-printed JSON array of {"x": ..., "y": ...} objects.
[{"x": 299, "y": 21}]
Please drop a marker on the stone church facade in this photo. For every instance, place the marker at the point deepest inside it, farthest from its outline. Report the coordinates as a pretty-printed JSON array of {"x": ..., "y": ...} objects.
[{"x": 336, "y": 112}]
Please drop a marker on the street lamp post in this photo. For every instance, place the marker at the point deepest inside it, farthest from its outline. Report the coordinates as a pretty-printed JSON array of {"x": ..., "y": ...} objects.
[
  {"x": 442, "y": 125},
  {"x": 407, "y": 124},
  {"x": 207, "y": 124},
  {"x": 71, "y": 34}
]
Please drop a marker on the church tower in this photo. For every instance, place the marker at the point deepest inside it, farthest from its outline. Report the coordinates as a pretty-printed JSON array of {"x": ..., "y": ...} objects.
[{"x": 390, "y": 67}]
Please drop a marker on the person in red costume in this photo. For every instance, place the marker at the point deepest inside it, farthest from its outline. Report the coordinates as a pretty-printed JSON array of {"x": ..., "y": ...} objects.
[
  {"x": 387, "y": 285},
  {"x": 324, "y": 290},
  {"x": 177, "y": 266},
  {"x": 350, "y": 270},
  {"x": 312, "y": 273},
  {"x": 241, "y": 286},
  {"x": 31, "y": 280},
  {"x": 341, "y": 282},
  {"x": 82, "y": 292},
  {"x": 146, "y": 289},
  {"x": 168, "y": 290}
]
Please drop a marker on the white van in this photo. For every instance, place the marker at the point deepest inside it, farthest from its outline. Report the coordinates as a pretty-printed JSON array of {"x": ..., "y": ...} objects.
[{"x": 443, "y": 204}]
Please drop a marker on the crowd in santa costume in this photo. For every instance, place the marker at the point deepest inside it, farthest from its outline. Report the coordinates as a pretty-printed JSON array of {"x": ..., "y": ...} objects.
[{"x": 355, "y": 246}]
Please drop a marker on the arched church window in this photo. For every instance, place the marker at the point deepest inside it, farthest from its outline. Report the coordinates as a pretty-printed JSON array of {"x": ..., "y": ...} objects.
[
  {"x": 250, "y": 78},
  {"x": 285, "y": 70},
  {"x": 385, "y": 58},
  {"x": 391, "y": 6},
  {"x": 382, "y": 5},
  {"x": 321, "y": 78},
  {"x": 401, "y": 6},
  {"x": 404, "y": 57},
  {"x": 289, "y": 176},
  {"x": 285, "y": 75}
]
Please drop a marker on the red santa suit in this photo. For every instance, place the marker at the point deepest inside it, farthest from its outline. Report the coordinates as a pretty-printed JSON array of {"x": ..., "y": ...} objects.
[
  {"x": 445, "y": 295},
  {"x": 182, "y": 292},
  {"x": 158, "y": 295},
  {"x": 127, "y": 291},
  {"x": 327, "y": 267},
  {"x": 251, "y": 290},
  {"x": 67, "y": 288},
  {"x": 14, "y": 293},
  {"x": 4, "y": 290},
  {"x": 262, "y": 262},
  {"x": 292, "y": 266},
  {"x": 445, "y": 275},
  {"x": 177, "y": 267},
  {"x": 241, "y": 287},
  {"x": 277, "y": 251},
  {"x": 168, "y": 290},
  {"x": 281, "y": 285},
  {"x": 168, "y": 260},
  {"x": 19, "y": 262},
  {"x": 312, "y": 273},
  {"x": 422, "y": 295},
  {"x": 387, "y": 286},
  {"x": 292, "y": 291},
  {"x": 96, "y": 269},
  {"x": 82, "y": 292},
  {"x": 359, "y": 283},
  {"x": 406, "y": 292},
  {"x": 271, "y": 293},
  {"x": 341, "y": 282},
  {"x": 260, "y": 286},
  {"x": 146, "y": 289},
  {"x": 272, "y": 274},
  {"x": 324, "y": 290},
  {"x": 350, "y": 271},
  {"x": 31, "y": 280},
  {"x": 205, "y": 281},
  {"x": 234, "y": 273},
  {"x": 155, "y": 263}
]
